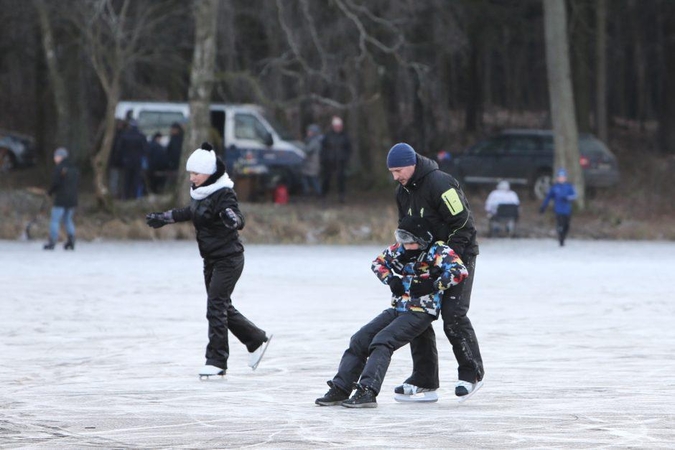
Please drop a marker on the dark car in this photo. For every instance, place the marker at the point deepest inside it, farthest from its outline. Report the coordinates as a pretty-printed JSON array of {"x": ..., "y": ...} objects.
[
  {"x": 16, "y": 150},
  {"x": 525, "y": 157}
]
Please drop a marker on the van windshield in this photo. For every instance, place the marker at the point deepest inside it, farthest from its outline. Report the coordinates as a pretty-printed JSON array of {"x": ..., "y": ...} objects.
[{"x": 278, "y": 127}]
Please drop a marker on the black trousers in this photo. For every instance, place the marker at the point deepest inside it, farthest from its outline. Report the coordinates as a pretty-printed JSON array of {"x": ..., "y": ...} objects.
[
  {"x": 460, "y": 333},
  {"x": 339, "y": 169},
  {"x": 220, "y": 277},
  {"x": 562, "y": 226},
  {"x": 369, "y": 354}
]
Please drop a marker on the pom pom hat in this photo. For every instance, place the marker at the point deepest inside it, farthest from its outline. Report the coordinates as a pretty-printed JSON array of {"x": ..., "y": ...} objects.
[
  {"x": 202, "y": 160},
  {"x": 401, "y": 155}
]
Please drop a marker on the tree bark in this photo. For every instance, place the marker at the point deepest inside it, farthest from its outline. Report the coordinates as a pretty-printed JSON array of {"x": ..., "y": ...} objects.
[
  {"x": 562, "y": 95},
  {"x": 601, "y": 70},
  {"x": 56, "y": 78},
  {"x": 201, "y": 86}
]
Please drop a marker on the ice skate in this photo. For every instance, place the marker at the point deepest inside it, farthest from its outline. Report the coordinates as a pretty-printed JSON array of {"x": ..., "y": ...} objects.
[
  {"x": 364, "y": 397},
  {"x": 411, "y": 393},
  {"x": 335, "y": 396},
  {"x": 256, "y": 355},
  {"x": 465, "y": 390},
  {"x": 49, "y": 245},
  {"x": 210, "y": 371}
]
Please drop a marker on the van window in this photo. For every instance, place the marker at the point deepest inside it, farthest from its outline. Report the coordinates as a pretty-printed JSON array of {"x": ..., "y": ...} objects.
[
  {"x": 281, "y": 130},
  {"x": 247, "y": 126},
  {"x": 151, "y": 122}
]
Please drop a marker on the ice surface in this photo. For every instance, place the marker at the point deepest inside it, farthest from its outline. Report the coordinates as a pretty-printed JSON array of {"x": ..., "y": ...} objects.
[{"x": 100, "y": 348}]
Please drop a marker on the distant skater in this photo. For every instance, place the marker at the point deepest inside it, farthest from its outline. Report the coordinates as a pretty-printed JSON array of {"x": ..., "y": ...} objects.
[
  {"x": 563, "y": 194},
  {"x": 214, "y": 211},
  {"x": 65, "y": 180}
]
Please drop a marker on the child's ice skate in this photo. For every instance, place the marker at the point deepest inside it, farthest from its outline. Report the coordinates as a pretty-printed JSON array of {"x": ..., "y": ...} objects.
[
  {"x": 256, "y": 355},
  {"x": 465, "y": 390}
]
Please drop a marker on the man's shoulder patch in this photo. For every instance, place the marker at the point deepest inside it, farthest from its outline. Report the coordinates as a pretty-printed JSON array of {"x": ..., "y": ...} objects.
[{"x": 452, "y": 201}]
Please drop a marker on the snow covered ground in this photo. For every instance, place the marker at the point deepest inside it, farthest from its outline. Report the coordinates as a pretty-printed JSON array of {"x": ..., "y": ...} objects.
[{"x": 100, "y": 348}]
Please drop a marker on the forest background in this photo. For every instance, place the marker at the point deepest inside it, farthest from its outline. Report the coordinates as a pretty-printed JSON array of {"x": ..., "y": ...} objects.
[{"x": 437, "y": 74}]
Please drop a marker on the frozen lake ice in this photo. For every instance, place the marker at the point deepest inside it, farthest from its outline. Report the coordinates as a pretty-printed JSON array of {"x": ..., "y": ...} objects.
[{"x": 100, "y": 348}]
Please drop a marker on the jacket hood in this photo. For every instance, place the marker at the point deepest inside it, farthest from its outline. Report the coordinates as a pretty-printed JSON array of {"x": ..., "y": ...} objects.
[{"x": 423, "y": 168}]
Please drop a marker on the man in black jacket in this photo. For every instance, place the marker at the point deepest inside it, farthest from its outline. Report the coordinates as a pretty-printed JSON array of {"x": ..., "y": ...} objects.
[
  {"x": 132, "y": 148},
  {"x": 336, "y": 149},
  {"x": 427, "y": 192},
  {"x": 64, "y": 189}
]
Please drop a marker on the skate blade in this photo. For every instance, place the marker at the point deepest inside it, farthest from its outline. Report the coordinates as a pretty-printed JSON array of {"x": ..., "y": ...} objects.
[
  {"x": 208, "y": 377},
  {"x": 422, "y": 397},
  {"x": 266, "y": 344},
  {"x": 470, "y": 394}
]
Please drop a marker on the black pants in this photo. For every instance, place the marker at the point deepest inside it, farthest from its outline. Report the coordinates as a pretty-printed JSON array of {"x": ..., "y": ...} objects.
[
  {"x": 562, "y": 226},
  {"x": 220, "y": 277},
  {"x": 370, "y": 349},
  {"x": 460, "y": 333},
  {"x": 339, "y": 169}
]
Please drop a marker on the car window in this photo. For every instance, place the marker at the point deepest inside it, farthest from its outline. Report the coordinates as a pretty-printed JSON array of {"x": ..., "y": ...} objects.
[
  {"x": 247, "y": 126},
  {"x": 523, "y": 145},
  {"x": 591, "y": 147},
  {"x": 492, "y": 146},
  {"x": 151, "y": 122}
]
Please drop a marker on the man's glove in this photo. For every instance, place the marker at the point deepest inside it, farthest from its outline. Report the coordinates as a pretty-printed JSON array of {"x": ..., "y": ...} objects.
[
  {"x": 159, "y": 219},
  {"x": 230, "y": 219},
  {"x": 421, "y": 287},
  {"x": 396, "y": 286}
]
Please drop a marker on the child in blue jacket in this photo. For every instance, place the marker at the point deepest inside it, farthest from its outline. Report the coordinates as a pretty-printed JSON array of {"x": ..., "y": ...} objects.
[
  {"x": 562, "y": 193},
  {"x": 417, "y": 272}
]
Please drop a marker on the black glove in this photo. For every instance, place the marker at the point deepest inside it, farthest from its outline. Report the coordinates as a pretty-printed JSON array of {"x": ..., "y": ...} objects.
[
  {"x": 159, "y": 219},
  {"x": 230, "y": 219},
  {"x": 421, "y": 287},
  {"x": 396, "y": 286}
]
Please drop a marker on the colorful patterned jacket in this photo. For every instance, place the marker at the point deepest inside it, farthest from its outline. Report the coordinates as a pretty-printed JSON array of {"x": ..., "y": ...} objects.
[{"x": 439, "y": 262}]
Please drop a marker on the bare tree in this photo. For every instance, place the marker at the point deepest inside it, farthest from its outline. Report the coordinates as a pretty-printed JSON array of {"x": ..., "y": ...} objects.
[
  {"x": 601, "y": 69},
  {"x": 56, "y": 78},
  {"x": 201, "y": 85},
  {"x": 116, "y": 37},
  {"x": 561, "y": 93}
]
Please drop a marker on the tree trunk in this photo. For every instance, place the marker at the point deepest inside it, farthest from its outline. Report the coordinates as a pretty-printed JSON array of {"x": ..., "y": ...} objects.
[
  {"x": 201, "y": 86},
  {"x": 561, "y": 94},
  {"x": 601, "y": 70},
  {"x": 667, "y": 119},
  {"x": 100, "y": 158},
  {"x": 580, "y": 66},
  {"x": 57, "y": 81}
]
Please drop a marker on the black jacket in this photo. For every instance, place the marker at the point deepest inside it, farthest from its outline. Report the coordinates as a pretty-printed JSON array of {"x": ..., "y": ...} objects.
[
  {"x": 215, "y": 241},
  {"x": 437, "y": 196},
  {"x": 335, "y": 147},
  {"x": 65, "y": 179},
  {"x": 132, "y": 146}
]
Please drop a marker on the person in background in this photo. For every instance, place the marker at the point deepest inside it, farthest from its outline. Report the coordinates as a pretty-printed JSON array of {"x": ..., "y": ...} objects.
[
  {"x": 132, "y": 147},
  {"x": 157, "y": 163},
  {"x": 563, "y": 194},
  {"x": 502, "y": 195},
  {"x": 312, "y": 164},
  {"x": 115, "y": 163},
  {"x": 336, "y": 149},
  {"x": 65, "y": 180},
  {"x": 175, "y": 146},
  {"x": 214, "y": 212}
]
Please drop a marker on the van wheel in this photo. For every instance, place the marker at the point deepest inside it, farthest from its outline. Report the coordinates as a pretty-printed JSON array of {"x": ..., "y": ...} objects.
[
  {"x": 6, "y": 160},
  {"x": 541, "y": 185}
]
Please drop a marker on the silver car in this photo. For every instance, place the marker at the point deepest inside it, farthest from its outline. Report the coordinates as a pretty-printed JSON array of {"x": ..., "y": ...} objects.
[{"x": 16, "y": 150}]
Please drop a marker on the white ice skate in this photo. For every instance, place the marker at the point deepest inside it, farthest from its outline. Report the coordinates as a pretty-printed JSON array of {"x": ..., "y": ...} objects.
[
  {"x": 210, "y": 371},
  {"x": 411, "y": 393},
  {"x": 465, "y": 390},
  {"x": 256, "y": 355}
]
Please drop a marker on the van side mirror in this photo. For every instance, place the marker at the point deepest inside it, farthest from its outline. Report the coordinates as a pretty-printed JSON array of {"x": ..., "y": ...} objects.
[{"x": 268, "y": 139}]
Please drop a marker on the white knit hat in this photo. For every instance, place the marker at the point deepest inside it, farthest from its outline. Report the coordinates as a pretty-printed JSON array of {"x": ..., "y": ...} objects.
[{"x": 202, "y": 161}]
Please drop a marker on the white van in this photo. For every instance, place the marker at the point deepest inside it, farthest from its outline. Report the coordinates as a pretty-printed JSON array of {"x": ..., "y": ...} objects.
[{"x": 253, "y": 142}]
